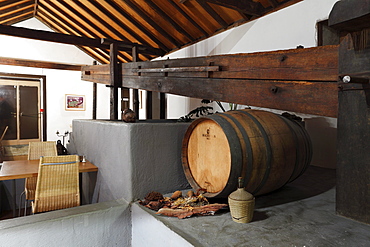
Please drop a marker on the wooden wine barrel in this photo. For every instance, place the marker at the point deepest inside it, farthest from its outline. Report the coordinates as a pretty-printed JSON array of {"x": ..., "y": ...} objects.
[{"x": 265, "y": 149}]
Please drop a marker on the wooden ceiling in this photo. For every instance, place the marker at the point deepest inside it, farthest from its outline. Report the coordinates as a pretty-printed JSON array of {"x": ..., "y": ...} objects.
[{"x": 167, "y": 25}]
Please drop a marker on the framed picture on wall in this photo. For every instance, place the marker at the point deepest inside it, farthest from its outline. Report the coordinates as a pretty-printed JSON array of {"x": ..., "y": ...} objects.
[{"x": 75, "y": 102}]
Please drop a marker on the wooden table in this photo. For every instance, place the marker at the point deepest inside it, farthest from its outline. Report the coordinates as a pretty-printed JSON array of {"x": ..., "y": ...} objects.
[
  {"x": 18, "y": 169},
  {"x": 29, "y": 168}
]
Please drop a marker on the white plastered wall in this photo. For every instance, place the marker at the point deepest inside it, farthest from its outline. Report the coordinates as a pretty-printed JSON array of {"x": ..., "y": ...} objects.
[
  {"x": 58, "y": 82},
  {"x": 284, "y": 29}
]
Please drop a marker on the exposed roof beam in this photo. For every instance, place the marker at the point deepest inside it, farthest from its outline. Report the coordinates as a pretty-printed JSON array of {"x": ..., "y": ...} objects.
[
  {"x": 99, "y": 55},
  {"x": 80, "y": 30},
  {"x": 16, "y": 17},
  {"x": 274, "y": 3},
  {"x": 38, "y": 64},
  {"x": 194, "y": 23},
  {"x": 16, "y": 8},
  {"x": 146, "y": 18},
  {"x": 73, "y": 40},
  {"x": 168, "y": 19},
  {"x": 212, "y": 13},
  {"x": 120, "y": 23},
  {"x": 138, "y": 25},
  {"x": 244, "y": 6},
  {"x": 8, "y": 2}
]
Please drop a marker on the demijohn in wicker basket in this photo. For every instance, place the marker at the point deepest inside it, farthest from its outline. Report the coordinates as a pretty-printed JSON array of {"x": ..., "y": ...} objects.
[{"x": 241, "y": 204}]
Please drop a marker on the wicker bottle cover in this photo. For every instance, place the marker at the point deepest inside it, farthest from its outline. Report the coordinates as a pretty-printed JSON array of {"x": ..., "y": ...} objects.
[{"x": 241, "y": 204}]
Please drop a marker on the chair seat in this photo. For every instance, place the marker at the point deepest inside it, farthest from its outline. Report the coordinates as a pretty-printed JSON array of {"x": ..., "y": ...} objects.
[{"x": 56, "y": 202}]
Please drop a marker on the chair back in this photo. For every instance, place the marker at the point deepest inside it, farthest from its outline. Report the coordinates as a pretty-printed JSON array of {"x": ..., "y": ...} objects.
[
  {"x": 57, "y": 183},
  {"x": 38, "y": 149}
]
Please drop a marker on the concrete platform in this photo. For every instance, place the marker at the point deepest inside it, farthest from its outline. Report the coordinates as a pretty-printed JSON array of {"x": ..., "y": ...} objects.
[{"x": 300, "y": 214}]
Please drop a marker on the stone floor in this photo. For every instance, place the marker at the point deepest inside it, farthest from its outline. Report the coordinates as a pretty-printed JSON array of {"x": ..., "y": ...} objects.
[{"x": 300, "y": 214}]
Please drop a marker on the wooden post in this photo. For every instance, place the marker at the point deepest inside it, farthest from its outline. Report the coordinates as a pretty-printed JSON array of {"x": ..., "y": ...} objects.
[
  {"x": 352, "y": 19},
  {"x": 115, "y": 81},
  {"x": 149, "y": 104},
  {"x": 135, "y": 58},
  {"x": 94, "y": 97},
  {"x": 94, "y": 100},
  {"x": 162, "y": 106}
]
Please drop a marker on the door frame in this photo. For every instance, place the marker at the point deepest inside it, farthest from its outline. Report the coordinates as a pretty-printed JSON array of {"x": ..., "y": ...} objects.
[{"x": 42, "y": 80}]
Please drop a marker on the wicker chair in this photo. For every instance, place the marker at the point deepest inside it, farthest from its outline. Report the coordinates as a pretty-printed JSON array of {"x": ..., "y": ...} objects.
[
  {"x": 35, "y": 151},
  {"x": 57, "y": 183}
]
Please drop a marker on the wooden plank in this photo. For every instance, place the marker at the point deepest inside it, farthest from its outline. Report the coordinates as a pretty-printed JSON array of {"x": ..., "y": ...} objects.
[
  {"x": 318, "y": 98},
  {"x": 311, "y": 64},
  {"x": 179, "y": 69},
  {"x": 96, "y": 73},
  {"x": 38, "y": 64}
]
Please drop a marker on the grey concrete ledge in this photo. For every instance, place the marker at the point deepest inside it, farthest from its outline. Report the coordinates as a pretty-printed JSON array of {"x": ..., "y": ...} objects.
[{"x": 63, "y": 214}]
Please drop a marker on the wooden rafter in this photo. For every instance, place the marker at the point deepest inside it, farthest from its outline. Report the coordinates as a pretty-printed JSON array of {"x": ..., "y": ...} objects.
[
  {"x": 78, "y": 31},
  {"x": 273, "y": 3},
  {"x": 212, "y": 13},
  {"x": 168, "y": 19},
  {"x": 14, "y": 8},
  {"x": 146, "y": 18},
  {"x": 142, "y": 28},
  {"x": 194, "y": 23},
  {"x": 244, "y": 6},
  {"x": 100, "y": 55},
  {"x": 118, "y": 22},
  {"x": 166, "y": 25}
]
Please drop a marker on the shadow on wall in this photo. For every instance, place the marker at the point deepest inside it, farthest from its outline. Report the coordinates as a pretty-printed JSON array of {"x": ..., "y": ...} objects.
[
  {"x": 323, "y": 135},
  {"x": 224, "y": 44}
]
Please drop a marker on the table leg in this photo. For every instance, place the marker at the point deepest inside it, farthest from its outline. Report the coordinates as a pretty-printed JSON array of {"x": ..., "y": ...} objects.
[
  {"x": 87, "y": 185},
  {"x": 14, "y": 192}
]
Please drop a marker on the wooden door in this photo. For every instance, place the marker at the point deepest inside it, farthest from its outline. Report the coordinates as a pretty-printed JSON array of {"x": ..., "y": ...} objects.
[{"x": 19, "y": 109}]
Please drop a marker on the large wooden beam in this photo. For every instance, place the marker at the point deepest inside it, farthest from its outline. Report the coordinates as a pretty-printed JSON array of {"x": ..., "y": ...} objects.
[
  {"x": 38, "y": 64},
  {"x": 298, "y": 80},
  {"x": 75, "y": 40}
]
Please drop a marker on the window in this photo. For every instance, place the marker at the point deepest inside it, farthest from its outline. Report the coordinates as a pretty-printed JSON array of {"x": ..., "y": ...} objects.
[{"x": 20, "y": 109}]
